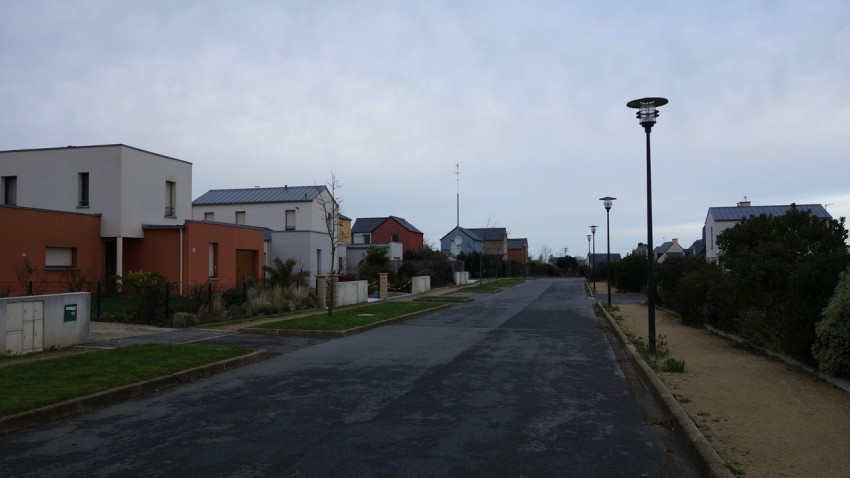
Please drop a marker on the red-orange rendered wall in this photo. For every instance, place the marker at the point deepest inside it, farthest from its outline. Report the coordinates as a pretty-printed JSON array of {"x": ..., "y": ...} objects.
[
  {"x": 32, "y": 231},
  {"x": 160, "y": 250},
  {"x": 411, "y": 241}
]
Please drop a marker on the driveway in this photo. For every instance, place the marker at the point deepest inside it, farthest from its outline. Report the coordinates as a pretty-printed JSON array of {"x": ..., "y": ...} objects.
[{"x": 520, "y": 383}]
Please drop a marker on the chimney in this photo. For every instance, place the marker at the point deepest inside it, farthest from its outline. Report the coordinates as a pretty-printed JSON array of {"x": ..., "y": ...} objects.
[
  {"x": 675, "y": 241},
  {"x": 744, "y": 203}
]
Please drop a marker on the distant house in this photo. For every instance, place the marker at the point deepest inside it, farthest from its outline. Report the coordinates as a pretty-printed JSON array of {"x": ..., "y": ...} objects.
[
  {"x": 696, "y": 249},
  {"x": 384, "y": 230},
  {"x": 295, "y": 216},
  {"x": 518, "y": 250},
  {"x": 668, "y": 250},
  {"x": 596, "y": 260},
  {"x": 492, "y": 241},
  {"x": 719, "y": 219},
  {"x": 460, "y": 240},
  {"x": 344, "y": 229}
]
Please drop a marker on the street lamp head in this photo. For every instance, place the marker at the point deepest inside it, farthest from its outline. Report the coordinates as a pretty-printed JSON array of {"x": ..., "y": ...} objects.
[
  {"x": 608, "y": 201},
  {"x": 588, "y": 238},
  {"x": 593, "y": 229},
  {"x": 647, "y": 112}
]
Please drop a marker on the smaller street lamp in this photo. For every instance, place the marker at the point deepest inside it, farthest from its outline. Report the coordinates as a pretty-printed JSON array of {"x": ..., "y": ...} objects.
[
  {"x": 589, "y": 257},
  {"x": 593, "y": 257},
  {"x": 608, "y": 201}
]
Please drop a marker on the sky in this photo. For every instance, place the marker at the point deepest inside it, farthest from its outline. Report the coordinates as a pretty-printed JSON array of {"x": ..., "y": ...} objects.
[{"x": 525, "y": 99}]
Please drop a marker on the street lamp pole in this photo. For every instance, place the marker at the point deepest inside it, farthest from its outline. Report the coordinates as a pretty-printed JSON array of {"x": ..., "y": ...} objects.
[
  {"x": 647, "y": 115},
  {"x": 608, "y": 201},
  {"x": 593, "y": 257},
  {"x": 589, "y": 257}
]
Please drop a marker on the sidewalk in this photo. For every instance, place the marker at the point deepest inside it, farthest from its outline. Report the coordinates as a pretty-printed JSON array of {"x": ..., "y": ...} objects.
[{"x": 763, "y": 418}]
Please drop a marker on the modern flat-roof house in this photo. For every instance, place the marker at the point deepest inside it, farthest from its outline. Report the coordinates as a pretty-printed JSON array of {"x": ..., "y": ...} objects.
[
  {"x": 294, "y": 215},
  {"x": 128, "y": 192},
  {"x": 719, "y": 219}
]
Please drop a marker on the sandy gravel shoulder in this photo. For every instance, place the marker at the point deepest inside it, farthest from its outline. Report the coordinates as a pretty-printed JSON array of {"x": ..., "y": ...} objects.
[{"x": 763, "y": 417}]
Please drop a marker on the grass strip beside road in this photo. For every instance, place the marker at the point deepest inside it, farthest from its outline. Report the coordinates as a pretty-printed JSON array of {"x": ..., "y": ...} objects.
[
  {"x": 31, "y": 385},
  {"x": 349, "y": 318}
]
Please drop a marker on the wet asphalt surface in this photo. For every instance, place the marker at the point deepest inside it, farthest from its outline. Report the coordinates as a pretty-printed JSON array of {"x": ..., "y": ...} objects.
[{"x": 520, "y": 383}]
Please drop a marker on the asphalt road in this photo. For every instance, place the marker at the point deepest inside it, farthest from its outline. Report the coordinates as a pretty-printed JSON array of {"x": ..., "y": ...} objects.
[{"x": 520, "y": 383}]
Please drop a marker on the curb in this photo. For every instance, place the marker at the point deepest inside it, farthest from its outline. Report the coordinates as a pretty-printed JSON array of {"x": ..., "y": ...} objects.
[
  {"x": 76, "y": 406},
  {"x": 699, "y": 450},
  {"x": 338, "y": 333}
]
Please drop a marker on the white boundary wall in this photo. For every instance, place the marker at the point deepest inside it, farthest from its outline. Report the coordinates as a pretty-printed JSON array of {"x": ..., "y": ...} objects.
[
  {"x": 38, "y": 322},
  {"x": 421, "y": 284},
  {"x": 352, "y": 292}
]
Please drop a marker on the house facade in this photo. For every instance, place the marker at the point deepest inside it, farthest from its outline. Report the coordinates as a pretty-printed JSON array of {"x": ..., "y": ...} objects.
[
  {"x": 518, "y": 250},
  {"x": 668, "y": 250},
  {"x": 97, "y": 211},
  {"x": 128, "y": 187},
  {"x": 718, "y": 219},
  {"x": 294, "y": 215},
  {"x": 385, "y": 230},
  {"x": 461, "y": 240}
]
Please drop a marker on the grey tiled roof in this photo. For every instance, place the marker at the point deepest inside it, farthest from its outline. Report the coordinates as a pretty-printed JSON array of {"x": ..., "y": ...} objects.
[
  {"x": 491, "y": 233},
  {"x": 369, "y": 224},
  {"x": 517, "y": 243},
  {"x": 736, "y": 213},
  {"x": 259, "y": 195}
]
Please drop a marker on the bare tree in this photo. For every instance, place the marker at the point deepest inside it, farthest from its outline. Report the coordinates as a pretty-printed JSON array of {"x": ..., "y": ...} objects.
[
  {"x": 330, "y": 211},
  {"x": 545, "y": 254}
]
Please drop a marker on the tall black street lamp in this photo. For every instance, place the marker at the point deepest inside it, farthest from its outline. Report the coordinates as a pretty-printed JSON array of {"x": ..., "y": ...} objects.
[
  {"x": 647, "y": 115},
  {"x": 608, "y": 201},
  {"x": 589, "y": 257},
  {"x": 593, "y": 257}
]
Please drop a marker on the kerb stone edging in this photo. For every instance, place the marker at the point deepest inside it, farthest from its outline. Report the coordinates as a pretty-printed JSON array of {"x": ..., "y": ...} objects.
[
  {"x": 699, "y": 450},
  {"x": 338, "y": 333},
  {"x": 75, "y": 406}
]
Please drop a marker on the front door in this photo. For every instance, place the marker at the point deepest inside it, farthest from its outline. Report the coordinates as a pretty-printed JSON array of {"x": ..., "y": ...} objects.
[{"x": 246, "y": 265}]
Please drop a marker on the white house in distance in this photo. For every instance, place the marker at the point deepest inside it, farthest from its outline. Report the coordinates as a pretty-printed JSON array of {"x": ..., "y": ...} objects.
[
  {"x": 128, "y": 187},
  {"x": 293, "y": 214},
  {"x": 719, "y": 219}
]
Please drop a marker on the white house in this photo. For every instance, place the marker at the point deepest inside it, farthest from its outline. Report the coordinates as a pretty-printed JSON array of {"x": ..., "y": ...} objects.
[
  {"x": 294, "y": 215},
  {"x": 719, "y": 219},
  {"x": 127, "y": 186}
]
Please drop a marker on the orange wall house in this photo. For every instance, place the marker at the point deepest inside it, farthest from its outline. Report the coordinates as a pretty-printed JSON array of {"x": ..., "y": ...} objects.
[
  {"x": 223, "y": 254},
  {"x": 61, "y": 246}
]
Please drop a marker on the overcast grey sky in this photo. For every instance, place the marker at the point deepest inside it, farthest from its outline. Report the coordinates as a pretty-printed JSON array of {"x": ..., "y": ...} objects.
[{"x": 527, "y": 96}]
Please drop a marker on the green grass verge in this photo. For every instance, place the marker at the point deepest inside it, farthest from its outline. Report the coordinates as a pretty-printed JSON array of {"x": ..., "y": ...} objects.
[
  {"x": 30, "y": 385},
  {"x": 493, "y": 285},
  {"x": 349, "y": 318},
  {"x": 443, "y": 298}
]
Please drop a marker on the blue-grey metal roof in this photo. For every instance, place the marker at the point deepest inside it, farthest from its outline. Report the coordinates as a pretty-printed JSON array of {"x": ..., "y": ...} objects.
[
  {"x": 258, "y": 195},
  {"x": 469, "y": 232},
  {"x": 736, "y": 213}
]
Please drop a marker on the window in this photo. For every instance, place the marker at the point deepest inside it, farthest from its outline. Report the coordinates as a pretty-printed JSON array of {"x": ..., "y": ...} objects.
[
  {"x": 213, "y": 260},
  {"x": 318, "y": 261},
  {"x": 367, "y": 238},
  {"x": 290, "y": 219},
  {"x": 10, "y": 190},
  {"x": 83, "y": 187},
  {"x": 395, "y": 238},
  {"x": 240, "y": 217},
  {"x": 60, "y": 258},
  {"x": 209, "y": 216},
  {"x": 170, "y": 198}
]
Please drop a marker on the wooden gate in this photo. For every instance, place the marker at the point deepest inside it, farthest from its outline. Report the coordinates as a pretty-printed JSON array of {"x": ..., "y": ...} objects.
[{"x": 246, "y": 265}]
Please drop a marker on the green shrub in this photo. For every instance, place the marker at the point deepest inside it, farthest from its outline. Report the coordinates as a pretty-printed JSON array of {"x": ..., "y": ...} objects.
[
  {"x": 673, "y": 365},
  {"x": 148, "y": 291},
  {"x": 831, "y": 349}
]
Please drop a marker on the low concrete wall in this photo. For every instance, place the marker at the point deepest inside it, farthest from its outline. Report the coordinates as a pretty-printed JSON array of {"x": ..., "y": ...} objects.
[
  {"x": 351, "y": 292},
  {"x": 420, "y": 284},
  {"x": 38, "y": 322},
  {"x": 462, "y": 278}
]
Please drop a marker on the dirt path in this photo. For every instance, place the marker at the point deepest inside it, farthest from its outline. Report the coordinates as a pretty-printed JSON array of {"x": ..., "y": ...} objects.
[{"x": 763, "y": 418}]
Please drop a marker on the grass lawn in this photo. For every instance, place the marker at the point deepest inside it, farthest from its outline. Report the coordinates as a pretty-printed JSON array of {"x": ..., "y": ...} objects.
[
  {"x": 348, "y": 318},
  {"x": 443, "y": 298},
  {"x": 30, "y": 385},
  {"x": 494, "y": 285}
]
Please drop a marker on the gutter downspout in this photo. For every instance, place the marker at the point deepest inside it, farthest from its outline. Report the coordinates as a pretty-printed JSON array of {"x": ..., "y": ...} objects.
[{"x": 181, "y": 261}]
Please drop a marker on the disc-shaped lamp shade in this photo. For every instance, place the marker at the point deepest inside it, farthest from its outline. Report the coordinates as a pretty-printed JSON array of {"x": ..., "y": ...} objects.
[{"x": 647, "y": 112}]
